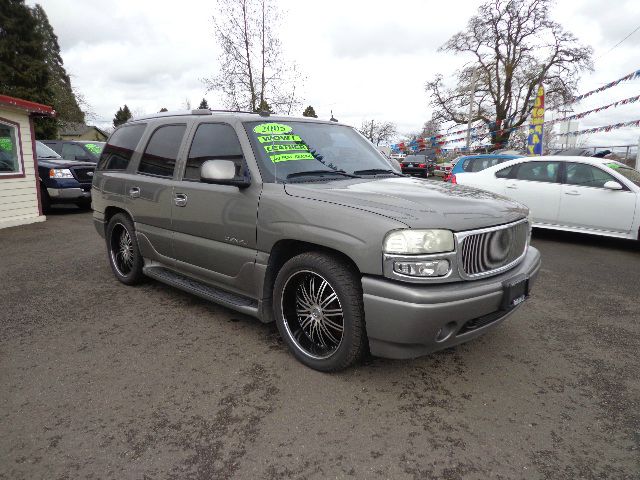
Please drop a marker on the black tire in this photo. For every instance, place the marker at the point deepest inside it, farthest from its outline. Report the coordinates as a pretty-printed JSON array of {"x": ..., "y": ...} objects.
[
  {"x": 84, "y": 205},
  {"x": 299, "y": 323},
  {"x": 45, "y": 201},
  {"x": 122, "y": 249}
]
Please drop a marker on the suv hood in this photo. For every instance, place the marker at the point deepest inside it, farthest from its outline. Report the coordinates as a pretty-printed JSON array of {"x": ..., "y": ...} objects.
[
  {"x": 61, "y": 163},
  {"x": 415, "y": 202}
]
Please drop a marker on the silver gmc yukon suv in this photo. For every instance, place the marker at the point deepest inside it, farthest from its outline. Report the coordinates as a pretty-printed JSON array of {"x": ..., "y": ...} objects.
[{"x": 303, "y": 222}]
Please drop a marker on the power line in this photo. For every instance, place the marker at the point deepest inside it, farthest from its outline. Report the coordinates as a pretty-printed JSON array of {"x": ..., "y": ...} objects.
[{"x": 619, "y": 43}]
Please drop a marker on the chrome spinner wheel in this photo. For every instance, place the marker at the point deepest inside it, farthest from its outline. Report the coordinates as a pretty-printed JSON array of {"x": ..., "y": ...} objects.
[
  {"x": 312, "y": 314},
  {"x": 121, "y": 250}
]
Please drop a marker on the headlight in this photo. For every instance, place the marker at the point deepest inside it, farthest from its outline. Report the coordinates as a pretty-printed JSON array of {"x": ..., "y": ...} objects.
[
  {"x": 60, "y": 173},
  {"x": 414, "y": 242}
]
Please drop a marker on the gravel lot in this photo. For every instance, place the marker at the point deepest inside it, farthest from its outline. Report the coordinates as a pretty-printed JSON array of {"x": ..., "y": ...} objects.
[{"x": 100, "y": 380}]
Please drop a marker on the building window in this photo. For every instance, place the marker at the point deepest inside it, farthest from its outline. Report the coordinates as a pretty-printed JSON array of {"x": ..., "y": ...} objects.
[{"x": 9, "y": 150}]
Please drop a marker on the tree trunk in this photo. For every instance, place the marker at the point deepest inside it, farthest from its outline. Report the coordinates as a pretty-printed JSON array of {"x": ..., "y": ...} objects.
[{"x": 252, "y": 87}]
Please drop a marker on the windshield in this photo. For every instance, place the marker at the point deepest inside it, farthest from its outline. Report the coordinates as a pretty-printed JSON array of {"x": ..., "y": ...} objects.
[
  {"x": 45, "y": 152},
  {"x": 307, "y": 151},
  {"x": 629, "y": 173}
]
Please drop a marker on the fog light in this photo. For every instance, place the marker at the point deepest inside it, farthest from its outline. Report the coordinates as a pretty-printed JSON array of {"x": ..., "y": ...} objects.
[{"x": 432, "y": 268}]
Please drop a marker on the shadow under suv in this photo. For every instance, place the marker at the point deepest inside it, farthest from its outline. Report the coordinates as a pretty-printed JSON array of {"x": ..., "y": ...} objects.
[{"x": 303, "y": 222}]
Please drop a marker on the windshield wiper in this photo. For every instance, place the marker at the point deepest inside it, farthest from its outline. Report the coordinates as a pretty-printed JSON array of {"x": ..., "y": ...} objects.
[
  {"x": 376, "y": 171},
  {"x": 312, "y": 173}
]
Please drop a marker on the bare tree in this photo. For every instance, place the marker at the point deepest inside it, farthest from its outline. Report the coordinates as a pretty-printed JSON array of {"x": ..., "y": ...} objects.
[
  {"x": 515, "y": 47},
  {"x": 378, "y": 132},
  {"x": 254, "y": 74}
]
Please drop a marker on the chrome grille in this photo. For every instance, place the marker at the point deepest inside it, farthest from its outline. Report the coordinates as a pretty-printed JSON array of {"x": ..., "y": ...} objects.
[
  {"x": 493, "y": 250},
  {"x": 83, "y": 174}
]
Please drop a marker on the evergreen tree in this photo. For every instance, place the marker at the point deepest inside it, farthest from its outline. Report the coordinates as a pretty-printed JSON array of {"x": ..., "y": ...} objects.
[
  {"x": 24, "y": 72},
  {"x": 204, "y": 104},
  {"x": 122, "y": 115},
  {"x": 309, "y": 112},
  {"x": 263, "y": 107},
  {"x": 64, "y": 98}
]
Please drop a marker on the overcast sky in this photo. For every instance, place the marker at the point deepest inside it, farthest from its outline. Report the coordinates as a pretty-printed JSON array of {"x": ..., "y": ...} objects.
[{"x": 362, "y": 59}]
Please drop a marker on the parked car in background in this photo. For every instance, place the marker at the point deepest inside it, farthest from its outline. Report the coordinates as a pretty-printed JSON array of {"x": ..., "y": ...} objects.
[
  {"x": 302, "y": 222},
  {"x": 421, "y": 165},
  {"x": 78, "y": 150},
  {"x": 578, "y": 194},
  {"x": 63, "y": 181},
  {"x": 477, "y": 163},
  {"x": 444, "y": 169}
]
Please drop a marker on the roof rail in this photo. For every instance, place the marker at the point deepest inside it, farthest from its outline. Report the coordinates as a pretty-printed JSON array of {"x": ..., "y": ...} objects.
[{"x": 197, "y": 111}]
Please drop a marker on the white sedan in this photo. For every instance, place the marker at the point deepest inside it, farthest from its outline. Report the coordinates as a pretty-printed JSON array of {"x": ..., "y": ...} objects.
[{"x": 578, "y": 194}]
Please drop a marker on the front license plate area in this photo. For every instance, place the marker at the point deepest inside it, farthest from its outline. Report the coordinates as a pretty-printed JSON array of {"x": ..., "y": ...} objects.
[{"x": 515, "y": 291}]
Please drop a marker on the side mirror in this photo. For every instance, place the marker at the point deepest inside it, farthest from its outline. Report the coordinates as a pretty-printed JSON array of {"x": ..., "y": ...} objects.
[
  {"x": 611, "y": 185},
  {"x": 222, "y": 172}
]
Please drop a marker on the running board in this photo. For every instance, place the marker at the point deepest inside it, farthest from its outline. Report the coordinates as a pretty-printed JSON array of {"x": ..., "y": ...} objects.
[{"x": 234, "y": 301}]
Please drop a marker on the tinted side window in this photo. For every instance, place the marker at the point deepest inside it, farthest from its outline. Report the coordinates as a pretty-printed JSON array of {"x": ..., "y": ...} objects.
[
  {"x": 213, "y": 141},
  {"x": 587, "y": 175},
  {"x": 160, "y": 156},
  {"x": 117, "y": 153},
  {"x": 467, "y": 164},
  {"x": 505, "y": 172},
  {"x": 538, "y": 171}
]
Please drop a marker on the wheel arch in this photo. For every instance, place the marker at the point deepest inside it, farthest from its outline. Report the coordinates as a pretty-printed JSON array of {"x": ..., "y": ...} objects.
[
  {"x": 281, "y": 252},
  {"x": 110, "y": 211}
]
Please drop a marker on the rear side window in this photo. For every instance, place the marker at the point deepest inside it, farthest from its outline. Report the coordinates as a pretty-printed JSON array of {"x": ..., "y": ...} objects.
[
  {"x": 117, "y": 153},
  {"x": 538, "y": 171},
  {"x": 160, "y": 156},
  {"x": 213, "y": 141},
  {"x": 505, "y": 172}
]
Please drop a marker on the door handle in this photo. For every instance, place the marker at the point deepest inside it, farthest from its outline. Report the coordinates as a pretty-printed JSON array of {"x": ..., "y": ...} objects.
[
  {"x": 180, "y": 199},
  {"x": 134, "y": 192},
  {"x": 512, "y": 186},
  {"x": 572, "y": 192}
]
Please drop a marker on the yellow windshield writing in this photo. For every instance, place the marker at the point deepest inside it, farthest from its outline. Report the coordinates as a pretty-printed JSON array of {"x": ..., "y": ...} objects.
[
  {"x": 272, "y": 128},
  {"x": 287, "y": 157},
  {"x": 279, "y": 138},
  {"x": 285, "y": 148}
]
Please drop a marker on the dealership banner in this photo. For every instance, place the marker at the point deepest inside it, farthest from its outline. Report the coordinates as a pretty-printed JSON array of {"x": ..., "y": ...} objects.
[{"x": 534, "y": 142}]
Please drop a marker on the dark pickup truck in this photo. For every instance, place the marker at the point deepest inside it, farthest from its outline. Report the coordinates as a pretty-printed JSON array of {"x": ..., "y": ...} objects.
[{"x": 63, "y": 181}]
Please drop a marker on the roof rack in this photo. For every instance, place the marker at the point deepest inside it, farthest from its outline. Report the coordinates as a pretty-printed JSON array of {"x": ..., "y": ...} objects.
[{"x": 182, "y": 113}]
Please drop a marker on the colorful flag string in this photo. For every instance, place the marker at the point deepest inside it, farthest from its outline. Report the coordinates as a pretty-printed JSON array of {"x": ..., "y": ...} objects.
[
  {"x": 607, "y": 128},
  {"x": 631, "y": 76}
]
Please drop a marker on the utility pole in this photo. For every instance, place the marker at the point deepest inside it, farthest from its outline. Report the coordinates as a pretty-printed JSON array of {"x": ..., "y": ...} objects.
[{"x": 472, "y": 97}]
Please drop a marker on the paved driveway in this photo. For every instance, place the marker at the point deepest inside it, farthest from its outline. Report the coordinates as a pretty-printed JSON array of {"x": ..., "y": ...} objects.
[{"x": 100, "y": 380}]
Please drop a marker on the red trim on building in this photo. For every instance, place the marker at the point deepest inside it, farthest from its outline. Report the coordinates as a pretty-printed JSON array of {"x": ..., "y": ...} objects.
[
  {"x": 35, "y": 164},
  {"x": 31, "y": 107},
  {"x": 17, "y": 125}
]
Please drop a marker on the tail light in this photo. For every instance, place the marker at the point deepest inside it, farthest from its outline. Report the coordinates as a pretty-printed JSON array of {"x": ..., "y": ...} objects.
[
  {"x": 422, "y": 165},
  {"x": 453, "y": 180}
]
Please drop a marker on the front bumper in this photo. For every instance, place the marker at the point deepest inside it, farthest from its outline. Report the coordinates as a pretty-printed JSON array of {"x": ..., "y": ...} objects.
[
  {"x": 407, "y": 320},
  {"x": 417, "y": 171},
  {"x": 69, "y": 194}
]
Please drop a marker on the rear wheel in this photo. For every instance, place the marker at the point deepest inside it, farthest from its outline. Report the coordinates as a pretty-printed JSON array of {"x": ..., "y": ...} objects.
[
  {"x": 319, "y": 312},
  {"x": 122, "y": 248}
]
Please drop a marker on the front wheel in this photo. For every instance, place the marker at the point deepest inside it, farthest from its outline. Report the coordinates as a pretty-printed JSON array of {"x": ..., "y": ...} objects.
[
  {"x": 122, "y": 247},
  {"x": 319, "y": 313}
]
